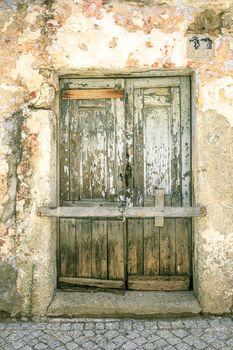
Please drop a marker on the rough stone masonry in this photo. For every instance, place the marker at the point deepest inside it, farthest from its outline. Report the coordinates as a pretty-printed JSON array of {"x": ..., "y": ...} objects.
[{"x": 43, "y": 39}]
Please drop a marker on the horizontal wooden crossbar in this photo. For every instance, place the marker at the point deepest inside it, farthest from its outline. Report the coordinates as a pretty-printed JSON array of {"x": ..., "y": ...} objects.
[
  {"x": 92, "y": 282},
  {"x": 91, "y": 94},
  {"x": 158, "y": 282},
  {"x": 113, "y": 212}
]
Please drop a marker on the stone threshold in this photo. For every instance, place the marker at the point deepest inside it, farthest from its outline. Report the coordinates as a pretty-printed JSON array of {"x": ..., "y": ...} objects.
[{"x": 133, "y": 304}]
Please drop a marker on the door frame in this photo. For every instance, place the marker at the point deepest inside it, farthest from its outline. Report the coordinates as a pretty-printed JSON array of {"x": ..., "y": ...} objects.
[{"x": 128, "y": 74}]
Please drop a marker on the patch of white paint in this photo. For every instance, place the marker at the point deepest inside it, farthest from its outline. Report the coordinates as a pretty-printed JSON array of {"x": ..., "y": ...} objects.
[
  {"x": 80, "y": 30},
  {"x": 29, "y": 35},
  {"x": 218, "y": 95},
  {"x": 24, "y": 70}
]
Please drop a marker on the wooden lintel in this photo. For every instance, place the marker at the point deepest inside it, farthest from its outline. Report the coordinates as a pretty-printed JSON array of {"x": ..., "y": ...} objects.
[
  {"x": 158, "y": 282},
  {"x": 159, "y": 202},
  {"x": 92, "y": 282},
  {"x": 89, "y": 94},
  {"x": 113, "y": 212}
]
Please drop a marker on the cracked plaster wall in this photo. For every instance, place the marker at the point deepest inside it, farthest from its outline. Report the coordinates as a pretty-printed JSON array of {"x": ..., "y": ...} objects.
[{"x": 42, "y": 39}]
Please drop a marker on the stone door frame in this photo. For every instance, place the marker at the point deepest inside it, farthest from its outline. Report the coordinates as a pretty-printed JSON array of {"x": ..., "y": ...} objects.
[{"x": 55, "y": 109}]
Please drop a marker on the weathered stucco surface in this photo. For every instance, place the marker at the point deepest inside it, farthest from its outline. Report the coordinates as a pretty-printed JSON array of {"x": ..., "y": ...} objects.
[{"x": 42, "y": 39}]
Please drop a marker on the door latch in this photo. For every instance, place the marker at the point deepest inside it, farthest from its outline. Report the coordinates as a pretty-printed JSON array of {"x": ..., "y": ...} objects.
[{"x": 121, "y": 208}]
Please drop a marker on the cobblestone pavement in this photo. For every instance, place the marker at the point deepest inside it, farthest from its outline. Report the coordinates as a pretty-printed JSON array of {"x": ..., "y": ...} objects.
[{"x": 88, "y": 334}]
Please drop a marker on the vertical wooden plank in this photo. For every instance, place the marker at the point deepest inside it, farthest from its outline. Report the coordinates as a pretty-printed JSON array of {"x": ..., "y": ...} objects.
[
  {"x": 94, "y": 158},
  {"x": 135, "y": 246},
  {"x": 167, "y": 247},
  {"x": 183, "y": 232},
  {"x": 115, "y": 250},
  {"x": 74, "y": 151},
  {"x": 159, "y": 202},
  {"x": 65, "y": 151},
  {"x": 129, "y": 117},
  {"x": 99, "y": 249},
  {"x": 67, "y": 247},
  {"x": 83, "y": 247},
  {"x": 111, "y": 174},
  {"x": 138, "y": 148},
  {"x": 135, "y": 226},
  {"x": 168, "y": 232},
  {"x": 186, "y": 140},
  {"x": 151, "y": 248},
  {"x": 175, "y": 148},
  {"x": 157, "y": 142},
  {"x": 167, "y": 244},
  {"x": 120, "y": 148}
]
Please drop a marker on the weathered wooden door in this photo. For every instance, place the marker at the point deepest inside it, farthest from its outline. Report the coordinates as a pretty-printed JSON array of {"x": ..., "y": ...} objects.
[{"x": 120, "y": 140}]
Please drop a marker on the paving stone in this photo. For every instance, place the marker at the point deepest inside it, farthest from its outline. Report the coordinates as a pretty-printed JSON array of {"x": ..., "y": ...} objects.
[
  {"x": 90, "y": 325},
  {"x": 71, "y": 345},
  {"x": 169, "y": 347},
  {"x": 164, "y": 324},
  {"x": 104, "y": 334},
  {"x": 201, "y": 323},
  {"x": 127, "y": 325},
  {"x": 99, "y": 325},
  {"x": 129, "y": 345},
  {"x": 183, "y": 346},
  {"x": 160, "y": 343},
  {"x": 177, "y": 324},
  {"x": 40, "y": 346},
  {"x": 163, "y": 333},
  {"x": 153, "y": 337},
  {"x": 181, "y": 333},
  {"x": 139, "y": 326},
  {"x": 111, "y": 334},
  {"x": 98, "y": 339},
  {"x": 65, "y": 327},
  {"x": 90, "y": 345},
  {"x": 140, "y": 340},
  {"x": 89, "y": 334},
  {"x": 19, "y": 344},
  {"x": 119, "y": 340},
  {"x": 132, "y": 334},
  {"x": 230, "y": 341},
  {"x": 64, "y": 338},
  {"x": 173, "y": 340},
  {"x": 226, "y": 321},
  {"x": 109, "y": 346},
  {"x": 148, "y": 346},
  {"x": 150, "y": 325}
]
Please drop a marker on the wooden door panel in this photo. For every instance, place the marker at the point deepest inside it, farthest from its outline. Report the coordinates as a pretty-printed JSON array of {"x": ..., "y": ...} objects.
[
  {"x": 161, "y": 123},
  {"x": 113, "y": 150},
  {"x": 92, "y": 167},
  {"x": 92, "y": 249},
  {"x": 92, "y": 149}
]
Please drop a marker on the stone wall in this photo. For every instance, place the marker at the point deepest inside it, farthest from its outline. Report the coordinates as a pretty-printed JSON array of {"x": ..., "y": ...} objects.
[{"x": 41, "y": 40}]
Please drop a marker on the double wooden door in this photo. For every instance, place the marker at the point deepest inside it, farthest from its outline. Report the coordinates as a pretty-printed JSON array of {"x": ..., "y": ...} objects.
[{"x": 120, "y": 140}]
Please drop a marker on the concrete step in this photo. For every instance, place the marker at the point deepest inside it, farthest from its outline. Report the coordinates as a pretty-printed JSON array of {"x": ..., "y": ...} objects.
[{"x": 131, "y": 304}]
